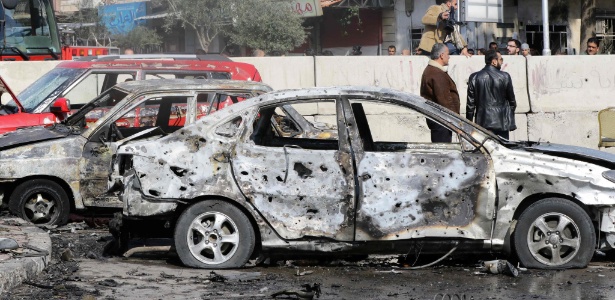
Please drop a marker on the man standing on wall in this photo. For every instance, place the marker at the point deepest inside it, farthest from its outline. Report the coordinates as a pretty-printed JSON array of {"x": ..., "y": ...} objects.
[
  {"x": 439, "y": 87},
  {"x": 491, "y": 97},
  {"x": 439, "y": 29}
]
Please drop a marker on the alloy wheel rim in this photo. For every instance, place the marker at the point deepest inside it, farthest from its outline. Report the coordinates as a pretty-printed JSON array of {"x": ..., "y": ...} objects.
[
  {"x": 213, "y": 238},
  {"x": 553, "y": 239},
  {"x": 40, "y": 208}
]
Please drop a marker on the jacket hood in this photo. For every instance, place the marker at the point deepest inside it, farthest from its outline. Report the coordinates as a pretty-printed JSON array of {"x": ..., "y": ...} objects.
[
  {"x": 588, "y": 155},
  {"x": 32, "y": 135}
]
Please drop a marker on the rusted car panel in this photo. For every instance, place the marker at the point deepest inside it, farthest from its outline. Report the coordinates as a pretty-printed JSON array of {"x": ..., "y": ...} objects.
[
  {"x": 419, "y": 193},
  {"x": 190, "y": 164},
  {"x": 59, "y": 158},
  {"x": 300, "y": 192},
  {"x": 303, "y": 191},
  {"x": 523, "y": 174},
  {"x": 30, "y": 135}
]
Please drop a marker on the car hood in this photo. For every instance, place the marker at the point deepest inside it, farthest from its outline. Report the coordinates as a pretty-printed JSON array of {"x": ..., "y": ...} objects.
[
  {"x": 588, "y": 155},
  {"x": 32, "y": 135},
  {"x": 5, "y": 87}
]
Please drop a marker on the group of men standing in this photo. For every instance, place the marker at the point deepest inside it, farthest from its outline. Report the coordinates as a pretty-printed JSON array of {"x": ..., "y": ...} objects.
[{"x": 491, "y": 100}]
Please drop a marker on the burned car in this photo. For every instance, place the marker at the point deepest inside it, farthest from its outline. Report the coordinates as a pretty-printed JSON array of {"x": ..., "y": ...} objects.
[
  {"x": 232, "y": 184},
  {"x": 46, "y": 172}
]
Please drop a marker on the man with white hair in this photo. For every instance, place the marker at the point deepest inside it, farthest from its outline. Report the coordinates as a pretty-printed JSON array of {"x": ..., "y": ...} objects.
[{"x": 439, "y": 87}]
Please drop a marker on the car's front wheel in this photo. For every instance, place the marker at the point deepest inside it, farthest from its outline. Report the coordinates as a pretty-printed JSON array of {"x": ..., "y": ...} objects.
[
  {"x": 40, "y": 201},
  {"x": 214, "y": 234},
  {"x": 554, "y": 234}
]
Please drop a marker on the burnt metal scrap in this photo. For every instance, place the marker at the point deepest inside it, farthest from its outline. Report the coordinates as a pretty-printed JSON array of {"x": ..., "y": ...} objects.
[{"x": 334, "y": 189}]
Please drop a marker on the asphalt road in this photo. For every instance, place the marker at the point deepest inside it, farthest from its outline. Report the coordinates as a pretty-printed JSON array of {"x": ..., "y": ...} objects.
[{"x": 84, "y": 273}]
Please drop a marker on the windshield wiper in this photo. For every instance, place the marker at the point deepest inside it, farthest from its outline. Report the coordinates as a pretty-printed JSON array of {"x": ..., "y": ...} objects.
[{"x": 16, "y": 50}]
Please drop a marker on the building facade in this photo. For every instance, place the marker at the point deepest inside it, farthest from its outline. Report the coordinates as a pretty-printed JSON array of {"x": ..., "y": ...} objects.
[{"x": 373, "y": 25}]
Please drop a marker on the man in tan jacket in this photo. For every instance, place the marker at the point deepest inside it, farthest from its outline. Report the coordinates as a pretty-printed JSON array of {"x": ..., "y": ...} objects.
[
  {"x": 439, "y": 87},
  {"x": 436, "y": 32}
]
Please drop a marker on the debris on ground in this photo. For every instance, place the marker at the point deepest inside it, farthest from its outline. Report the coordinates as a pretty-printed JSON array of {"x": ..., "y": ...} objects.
[
  {"x": 67, "y": 255},
  {"x": 8, "y": 244},
  {"x": 307, "y": 292},
  {"x": 109, "y": 282},
  {"x": 215, "y": 277},
  {"x": 72, "y": 227},
  {"x": 303, "y": 273},
  {"x": 500, "y": 266}
]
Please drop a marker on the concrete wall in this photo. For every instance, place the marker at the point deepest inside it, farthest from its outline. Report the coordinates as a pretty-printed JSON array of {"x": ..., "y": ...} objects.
[{"x": 558, "y": 97}]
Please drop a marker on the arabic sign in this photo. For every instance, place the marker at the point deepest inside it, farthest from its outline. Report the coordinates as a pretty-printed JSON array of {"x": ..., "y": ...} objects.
[
  {"x": 120, "y": 18},
  {"x": 307, "y": 8}
]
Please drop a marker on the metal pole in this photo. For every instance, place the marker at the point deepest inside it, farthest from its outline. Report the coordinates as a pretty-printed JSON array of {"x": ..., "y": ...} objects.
[{"x": 545, "y": 28}]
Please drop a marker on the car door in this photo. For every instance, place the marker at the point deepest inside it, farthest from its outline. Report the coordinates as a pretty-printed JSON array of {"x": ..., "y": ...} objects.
[
  {"x": 164, "y": 113},
  {"x": 302, "y": 185},
  {"x": 412, "y": 188}
]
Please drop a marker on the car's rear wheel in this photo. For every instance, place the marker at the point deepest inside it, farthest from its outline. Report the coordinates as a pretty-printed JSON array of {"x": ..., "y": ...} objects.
[
  {"x": 554, "y": 234},
  {"x": 40, "y": 201},
  {"x": 214, "y": 234}
]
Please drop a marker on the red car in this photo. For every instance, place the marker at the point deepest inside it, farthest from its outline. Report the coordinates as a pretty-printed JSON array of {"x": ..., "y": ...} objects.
[{"x": 71, "y": 84}]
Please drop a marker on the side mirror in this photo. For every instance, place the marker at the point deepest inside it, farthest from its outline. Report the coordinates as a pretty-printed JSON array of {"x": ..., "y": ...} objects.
[{"x": 60, "y": 108}]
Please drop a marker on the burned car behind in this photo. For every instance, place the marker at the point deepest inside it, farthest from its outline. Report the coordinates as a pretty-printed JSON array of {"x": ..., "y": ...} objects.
[
  {"x": 46, "y": 172},
  {"x": 232, "y": 184}
]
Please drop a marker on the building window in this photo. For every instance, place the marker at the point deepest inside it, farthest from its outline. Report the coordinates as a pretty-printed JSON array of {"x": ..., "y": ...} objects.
[
  {"x": 415, "y": 39},
  {"x": 558, "y": 38},
  {"x": 605, "y": 32}
]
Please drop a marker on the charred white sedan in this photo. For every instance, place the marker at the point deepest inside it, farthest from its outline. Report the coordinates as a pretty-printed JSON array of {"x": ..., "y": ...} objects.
[{"x": 354, "y": 172}]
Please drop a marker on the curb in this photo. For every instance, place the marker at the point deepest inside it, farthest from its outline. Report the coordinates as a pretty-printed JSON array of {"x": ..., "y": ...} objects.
[{"x": 16, "y": 270}]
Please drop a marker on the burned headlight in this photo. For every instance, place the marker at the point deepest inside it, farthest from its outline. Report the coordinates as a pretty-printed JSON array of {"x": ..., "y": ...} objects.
[{"x": 610, "y": 175}]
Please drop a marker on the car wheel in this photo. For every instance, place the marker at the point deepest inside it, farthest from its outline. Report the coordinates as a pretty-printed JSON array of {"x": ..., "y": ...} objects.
[
  {"x": 214, "y": 234},
  {"x": 40, "y": 201},
  {"x": 554, "y": 234}
]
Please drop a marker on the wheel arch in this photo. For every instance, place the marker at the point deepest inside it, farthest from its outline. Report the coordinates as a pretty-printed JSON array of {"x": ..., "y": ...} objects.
[
  {"x": 531, "y": 199},
  {"x": 527, "y": 202}
]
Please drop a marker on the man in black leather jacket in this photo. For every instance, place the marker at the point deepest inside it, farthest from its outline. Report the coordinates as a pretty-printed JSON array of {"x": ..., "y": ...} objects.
[{"x": 491, "y": 98}]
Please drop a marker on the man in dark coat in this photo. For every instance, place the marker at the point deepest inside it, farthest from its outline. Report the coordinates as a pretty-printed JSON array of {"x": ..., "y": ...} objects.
[
  {"x": 439, "y": 87},
  {"x": 491, "y": 98}
]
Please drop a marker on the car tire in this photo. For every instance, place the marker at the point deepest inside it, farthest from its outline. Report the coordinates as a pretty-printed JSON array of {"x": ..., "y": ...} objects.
[
  {"x": 214, "y": 234},
  {"x": 554, "y": 233},
  {"x": 40, "y": 201}
]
